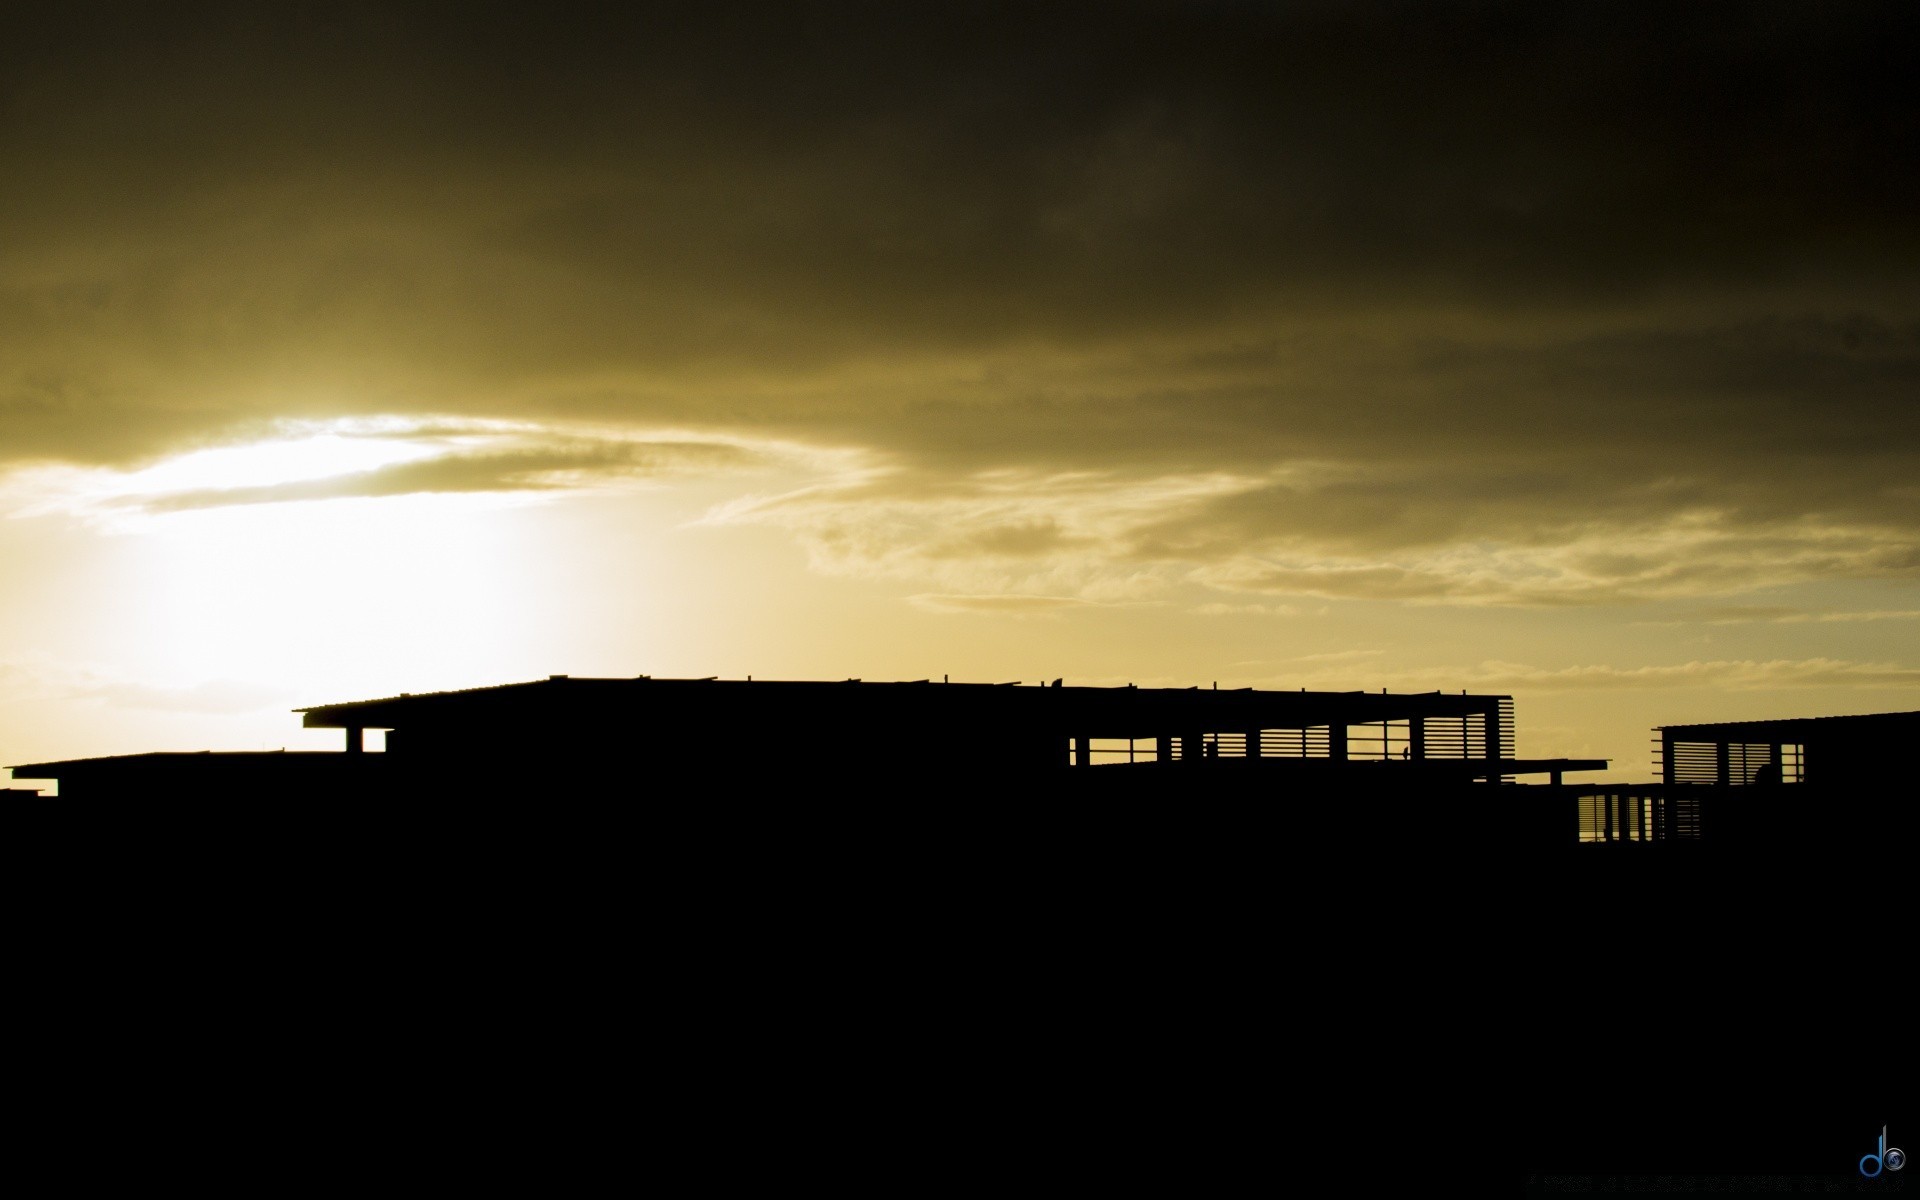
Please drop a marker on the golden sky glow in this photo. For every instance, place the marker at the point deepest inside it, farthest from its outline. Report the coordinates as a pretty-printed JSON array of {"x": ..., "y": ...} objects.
[{"x": 347, "y": 350}]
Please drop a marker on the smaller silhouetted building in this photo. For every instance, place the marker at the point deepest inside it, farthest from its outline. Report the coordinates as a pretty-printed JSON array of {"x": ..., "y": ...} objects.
[
  {"x": 1795, "y": 784},
  {"x": 1863, "y": 752}
]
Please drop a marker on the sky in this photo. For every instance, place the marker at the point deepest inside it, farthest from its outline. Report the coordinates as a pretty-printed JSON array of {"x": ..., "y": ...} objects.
[{"x": 1564, "y": 351}]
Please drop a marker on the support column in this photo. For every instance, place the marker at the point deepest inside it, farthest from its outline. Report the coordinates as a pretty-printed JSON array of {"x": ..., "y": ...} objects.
[
  {"x": 1082, "y": 752},
  {"x": 1337, "y": 742},
  {"x": 1417, "y": 738},
  {"x": 356, "y": 739}
]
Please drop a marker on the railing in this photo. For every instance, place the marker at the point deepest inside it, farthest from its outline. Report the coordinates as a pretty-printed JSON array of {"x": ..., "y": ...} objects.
[
  {"x": 1646, "y": 812},
  {"x": 1470, "y": 737}
]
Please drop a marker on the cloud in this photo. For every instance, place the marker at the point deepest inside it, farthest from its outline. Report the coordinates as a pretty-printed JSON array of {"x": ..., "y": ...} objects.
[
  {"x": 1496, "y": 304},
  {"x": 1029, "y": 538},
  {"x": 565, "y": 463},
  {"x": 1742, "y": 675},
  {"x": 530, "y": 204},
  {"x": 211, "y": 696},
  {"x": 1340, "y": 656},
  {"x": 1779, "y": 614},
  {"x": 1001, "y": 531},
  {"x": 1104, "y": 535},
  {"x": 44, "y": 682},
  {"x": 1718, "y": 675},
  {"x": 1000, "y": 605},
  {"x": 1599, "y": 570},
  {"x": 304, "y": 461},
  {"x": 1216, "y": 608}
]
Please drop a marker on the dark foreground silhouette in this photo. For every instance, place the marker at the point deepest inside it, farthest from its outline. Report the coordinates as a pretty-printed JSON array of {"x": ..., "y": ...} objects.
[{"x": 955, "y": 920}]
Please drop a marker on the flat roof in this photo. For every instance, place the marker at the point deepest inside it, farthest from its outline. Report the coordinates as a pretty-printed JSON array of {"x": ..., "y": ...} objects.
[
  {"x": 1794, "y": 728},
  {"x": 216, "y": 759},
  {"x": 1102, "y": 711}
]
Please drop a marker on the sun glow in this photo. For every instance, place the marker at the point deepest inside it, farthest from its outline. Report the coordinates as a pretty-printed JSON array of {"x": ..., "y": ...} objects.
[
  {"x": 286, "y": 591},
  {"x": 407, "y": 552}
]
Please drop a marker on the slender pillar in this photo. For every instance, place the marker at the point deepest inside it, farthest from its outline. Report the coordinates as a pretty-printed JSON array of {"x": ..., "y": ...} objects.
[
  {"x": 1082, "y": 752},
  {"x": 356, "y": 739},
  {"x": 1417, "y": 738}
]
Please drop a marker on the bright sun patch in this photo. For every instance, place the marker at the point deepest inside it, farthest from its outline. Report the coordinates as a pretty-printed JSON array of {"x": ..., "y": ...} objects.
[
  {"x": 285, "y": 460},
  {"x": 298, "y": 452}
]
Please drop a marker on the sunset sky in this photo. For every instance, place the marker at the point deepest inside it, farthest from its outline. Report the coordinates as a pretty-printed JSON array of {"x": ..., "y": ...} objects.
[{"x": 1561, "y": 350}]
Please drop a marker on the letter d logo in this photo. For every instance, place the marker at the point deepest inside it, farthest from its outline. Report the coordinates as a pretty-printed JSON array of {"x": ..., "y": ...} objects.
[{"x": 1882, "y": 1158}]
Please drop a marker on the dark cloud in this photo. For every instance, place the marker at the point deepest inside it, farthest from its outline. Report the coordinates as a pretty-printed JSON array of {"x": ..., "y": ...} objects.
[
  {"x": 1410, "y": 277},
  {"x": 950, "y": 174}
]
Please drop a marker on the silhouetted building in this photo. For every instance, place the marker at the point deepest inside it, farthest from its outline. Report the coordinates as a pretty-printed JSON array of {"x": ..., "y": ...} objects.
[
  {"x": 1841, "y": 752},
  {"x": 675, "y": 741},
  {"x": 1803, "y": 782}
]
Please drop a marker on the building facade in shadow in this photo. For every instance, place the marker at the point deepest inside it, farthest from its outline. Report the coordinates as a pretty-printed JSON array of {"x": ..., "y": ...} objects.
[
  {"x": 671, "y": 740},
  {"x": 1825, "y": 783},
  {"x": 1407, "y": 768}
]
